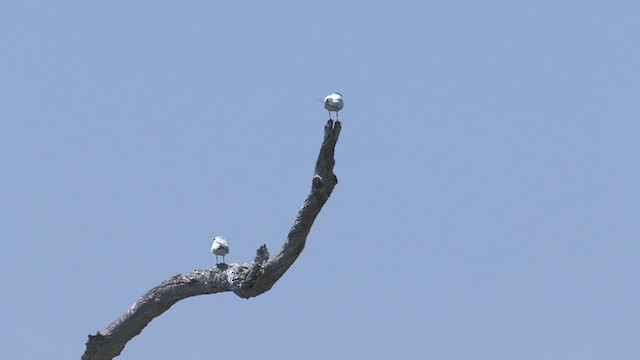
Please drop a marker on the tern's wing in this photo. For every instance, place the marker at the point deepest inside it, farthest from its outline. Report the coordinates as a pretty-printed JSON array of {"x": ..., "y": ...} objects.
[{"x": 335, "y": 104}]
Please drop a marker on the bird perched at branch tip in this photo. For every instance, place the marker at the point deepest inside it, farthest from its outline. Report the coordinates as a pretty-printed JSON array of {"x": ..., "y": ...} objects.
[
  {"x": 219, "y": 247},
  {"x": 333, "y": 102}
]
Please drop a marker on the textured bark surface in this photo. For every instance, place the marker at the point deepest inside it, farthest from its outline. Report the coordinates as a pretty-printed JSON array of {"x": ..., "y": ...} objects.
[{"x": 245, "y": 280}]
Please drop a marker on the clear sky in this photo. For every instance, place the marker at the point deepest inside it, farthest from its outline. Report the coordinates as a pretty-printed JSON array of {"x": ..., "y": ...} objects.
[{"x": 488, "y": 204}]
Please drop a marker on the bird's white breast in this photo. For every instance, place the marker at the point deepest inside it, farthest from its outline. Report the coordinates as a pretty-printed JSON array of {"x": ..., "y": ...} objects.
[
  {"x": 219, "y": 246},
  {"x": 333, "y": 102}
]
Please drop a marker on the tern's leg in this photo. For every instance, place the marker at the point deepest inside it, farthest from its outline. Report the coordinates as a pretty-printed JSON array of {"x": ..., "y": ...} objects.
[
  {"x": 216, "y": 259},
  {"x": 223, "y": 260}
]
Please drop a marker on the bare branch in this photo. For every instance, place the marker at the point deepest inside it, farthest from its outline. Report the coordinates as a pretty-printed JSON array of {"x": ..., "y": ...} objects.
[{"x": 245, "y": 280}]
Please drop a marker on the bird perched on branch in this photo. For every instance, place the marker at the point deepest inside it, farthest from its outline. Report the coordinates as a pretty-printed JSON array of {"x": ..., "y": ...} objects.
[
  {"x": 219, "y": 247},
  {"x": 333, "y": 102}
]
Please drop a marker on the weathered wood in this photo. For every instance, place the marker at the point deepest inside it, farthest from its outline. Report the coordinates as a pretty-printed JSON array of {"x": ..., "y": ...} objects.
[{"x": 245, "y": 280}]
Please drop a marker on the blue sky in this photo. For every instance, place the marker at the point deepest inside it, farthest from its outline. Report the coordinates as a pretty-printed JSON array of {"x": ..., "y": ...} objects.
[{"x": 488, "y": 203}]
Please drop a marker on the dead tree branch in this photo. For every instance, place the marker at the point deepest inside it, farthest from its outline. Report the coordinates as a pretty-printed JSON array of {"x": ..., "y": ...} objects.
[{"x": 245, "y": 280}]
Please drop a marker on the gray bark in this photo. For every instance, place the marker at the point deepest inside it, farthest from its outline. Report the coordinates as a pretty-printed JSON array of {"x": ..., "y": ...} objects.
[{"x": 245, "y": 280}]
